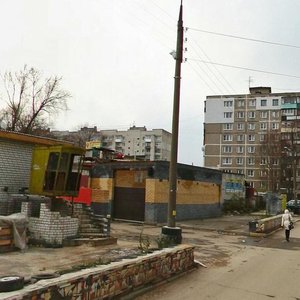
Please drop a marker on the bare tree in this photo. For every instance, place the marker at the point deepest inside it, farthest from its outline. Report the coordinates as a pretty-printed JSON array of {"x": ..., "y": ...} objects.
[
  {"x": 86, "y": 134},
  {"x": 80, "y": 136},
  {"x": 30, "y": 100},
  {"x": 270, "y": 161}
]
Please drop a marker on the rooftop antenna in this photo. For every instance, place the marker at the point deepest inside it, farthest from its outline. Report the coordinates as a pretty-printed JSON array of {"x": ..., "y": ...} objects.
[{"x": 249, "y": 81}]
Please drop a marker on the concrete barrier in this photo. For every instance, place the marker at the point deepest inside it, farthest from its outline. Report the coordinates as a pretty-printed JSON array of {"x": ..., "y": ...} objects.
[{"x": 264, "y": 226}]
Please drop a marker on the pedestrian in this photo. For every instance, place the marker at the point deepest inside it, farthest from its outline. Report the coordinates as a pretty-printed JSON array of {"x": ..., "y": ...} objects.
[{"x": 285, "y": 222}]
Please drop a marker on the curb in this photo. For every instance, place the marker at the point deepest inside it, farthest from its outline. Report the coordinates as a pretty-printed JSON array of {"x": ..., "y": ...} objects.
[{"x": 220, "y": 231}]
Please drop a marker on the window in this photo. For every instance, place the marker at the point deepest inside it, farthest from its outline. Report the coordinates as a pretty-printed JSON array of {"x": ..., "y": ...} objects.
[
  {"x": 285, "y": 136},
  {"x": 251, "y": 161},
  {"x": 227, "y": 137},
  {"x": 288, "y": 112},
  {"x": 251, "y": 126},
  {"x": 275, "y": 102},
  {"x": 240, "y": 126},
  {"x": 250, "y": 173},
  {"x": 240, "y": 138},
  {"x": 241, "y": 103},
  {"x": 264, "y": 114},
  {"x": 240, "y": 171},
  {"x": 263, "y": 102},
  {"x": 275, "y": 161},
  {"x": 228, "y": 126},
  {"x": 263, "y": 173},
  {"x": 227, "y": 149},
  {"x": 263, "y": 184},
  {"x": 251, "y": 137},
  {"x": 227, "y": 161},
  {"x": 275, "y": 126},
  {"x": 263, "y": 161},
  {"x": 252, "y": 103},
  {"x": 228, "y": 103},
  {"x": 240, "y": 115},
  {"x": 275, "y": 114},
  {"x": 239, "y": 161},
  {"x": 240, "y": 149},
  {"x": 263, "y": 126},
  {"x": 51, "y": 170},
  {"x": 251, "y": 114},
  {"x": 277, "y": 137},
  {"x": 227, "y": 115},
  {"x": 251, "y": 149},
  {"x": 262, "y": 137},
  {"x": 290, "y": 100}
]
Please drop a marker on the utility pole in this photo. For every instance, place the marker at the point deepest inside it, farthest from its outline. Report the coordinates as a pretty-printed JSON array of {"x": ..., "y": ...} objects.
[{"x": 171, "y": 230}]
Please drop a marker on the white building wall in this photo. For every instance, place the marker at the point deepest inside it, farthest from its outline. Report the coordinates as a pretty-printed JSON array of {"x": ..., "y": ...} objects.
[{"x": 215, "y": 110}]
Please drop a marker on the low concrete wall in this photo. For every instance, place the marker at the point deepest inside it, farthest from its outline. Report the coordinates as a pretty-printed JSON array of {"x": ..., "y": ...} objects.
[
  {"x": 109, "y": 281},
  {"x": 265, "y": 226}
]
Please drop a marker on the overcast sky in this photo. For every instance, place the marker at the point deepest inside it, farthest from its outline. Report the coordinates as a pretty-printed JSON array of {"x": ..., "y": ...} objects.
[{"x": 114, "y": 57}]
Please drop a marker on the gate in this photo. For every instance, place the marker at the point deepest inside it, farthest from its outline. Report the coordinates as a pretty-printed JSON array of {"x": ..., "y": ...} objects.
[
  {"x": 129, "y": 195},
  {"x": 129, "y": 203}
]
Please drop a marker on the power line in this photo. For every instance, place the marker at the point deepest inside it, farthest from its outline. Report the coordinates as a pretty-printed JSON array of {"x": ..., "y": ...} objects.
[
  {"x": 209, "y": 76},
  {"x": 198, "y": 74},
  {"x": 161, "y": 37},
  {"x": 243, "y": 68},
  {"x": 164, "y": 11},
  {"x": 211, "y": 71},
  {"x": 243, "y": 38}
]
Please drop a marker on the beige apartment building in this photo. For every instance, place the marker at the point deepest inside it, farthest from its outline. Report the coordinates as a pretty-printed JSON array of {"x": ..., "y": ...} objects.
[
  {"x": 255, "y": 134},
  {"x": 139, "y": 143}
]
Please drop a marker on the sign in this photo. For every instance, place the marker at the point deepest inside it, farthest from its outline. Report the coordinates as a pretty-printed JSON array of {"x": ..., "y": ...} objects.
[{"x": 92, "y": 144}]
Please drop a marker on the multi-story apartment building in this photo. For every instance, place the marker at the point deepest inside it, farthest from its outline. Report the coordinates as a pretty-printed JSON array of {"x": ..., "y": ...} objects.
[
  {"x": 139, "y": 143},
  {"x": 135, "y": 143},
  {"x": 255, "y": 134}
]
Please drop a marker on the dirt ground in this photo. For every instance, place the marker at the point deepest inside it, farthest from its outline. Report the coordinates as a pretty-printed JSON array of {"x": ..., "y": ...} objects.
[{"x": 215, "y": 240}]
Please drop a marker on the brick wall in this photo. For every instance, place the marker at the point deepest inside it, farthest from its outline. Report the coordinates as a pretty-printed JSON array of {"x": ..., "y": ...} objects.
[
  {"x": 15, "y": 166},
  {"x": 50, "y": 228},
  {"x": 114, "y": 280}
]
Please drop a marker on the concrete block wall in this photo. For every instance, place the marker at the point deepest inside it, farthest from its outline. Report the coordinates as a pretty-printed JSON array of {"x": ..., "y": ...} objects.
[
  {"x": 114, "y": 280},
  {"x": 194, "y": 200},
  {"x": 51, "y": 228},
  {"x": 15, "y": 166}
]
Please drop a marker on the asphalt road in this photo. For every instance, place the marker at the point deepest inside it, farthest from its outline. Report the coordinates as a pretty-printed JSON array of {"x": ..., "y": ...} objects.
[{"x": 238, "y": 268}]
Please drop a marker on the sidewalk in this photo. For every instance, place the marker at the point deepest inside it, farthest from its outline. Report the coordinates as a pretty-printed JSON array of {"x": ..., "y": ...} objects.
[{"x": 230, "y": 224}]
